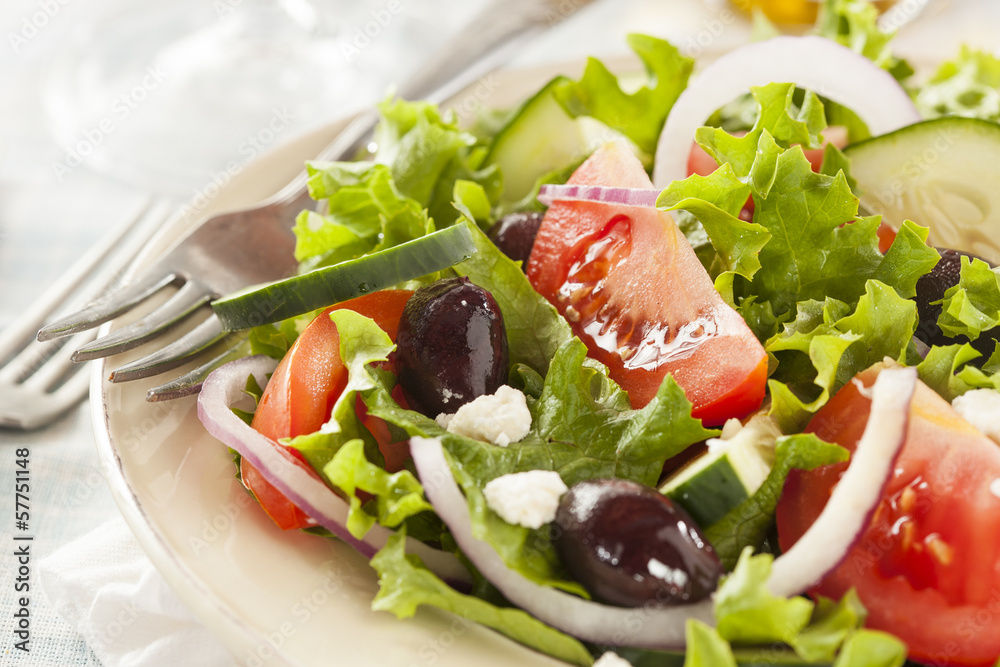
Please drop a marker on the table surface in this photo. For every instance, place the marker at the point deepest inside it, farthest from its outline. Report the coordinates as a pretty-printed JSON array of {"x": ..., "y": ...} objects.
[{"x": 47, "y": 219}]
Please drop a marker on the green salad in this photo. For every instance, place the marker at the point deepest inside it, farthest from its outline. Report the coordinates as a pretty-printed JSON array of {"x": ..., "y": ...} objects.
[{"x": 642, "y": 396}]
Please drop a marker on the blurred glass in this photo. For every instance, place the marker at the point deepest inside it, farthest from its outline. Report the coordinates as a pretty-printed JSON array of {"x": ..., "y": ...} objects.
[{"x": 167, "y": 96}]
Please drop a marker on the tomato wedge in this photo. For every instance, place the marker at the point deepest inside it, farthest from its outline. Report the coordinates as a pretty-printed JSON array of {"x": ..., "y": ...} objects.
[
  {"x": 928, "y": 566},
  {"x": 303, "y": 389},
  {"x": 634, "y": 291}
]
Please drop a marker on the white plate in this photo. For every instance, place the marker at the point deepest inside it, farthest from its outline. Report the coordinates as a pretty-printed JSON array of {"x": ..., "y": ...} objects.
[{"x": 272, "y": 597}]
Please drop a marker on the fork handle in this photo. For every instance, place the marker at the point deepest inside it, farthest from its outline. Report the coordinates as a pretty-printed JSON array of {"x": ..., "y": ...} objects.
[{"x": 488, "y": 42}]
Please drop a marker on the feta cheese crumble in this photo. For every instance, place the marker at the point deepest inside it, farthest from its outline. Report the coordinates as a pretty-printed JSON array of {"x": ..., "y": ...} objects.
[
  {"x": 528, "y": 499},
  {"x": 981, "y": 408},
  {"x": 500, "y": 418},
  {"x": 612, "y": 659}
]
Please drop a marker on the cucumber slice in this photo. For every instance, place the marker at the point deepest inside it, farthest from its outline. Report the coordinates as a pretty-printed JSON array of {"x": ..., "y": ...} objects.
[
  {"x": 941, "y": 174},
  {"x": 282, "y": 299},
  {"x": 727, "y": 474},
  {"x": 538, "y": 138}
]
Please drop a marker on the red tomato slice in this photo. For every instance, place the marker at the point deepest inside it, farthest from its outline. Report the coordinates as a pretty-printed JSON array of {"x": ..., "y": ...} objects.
[
  {"x": 634, "y": 291},
  {"x": 928, "y": 566},
  {"x": 303, "y": 389}
]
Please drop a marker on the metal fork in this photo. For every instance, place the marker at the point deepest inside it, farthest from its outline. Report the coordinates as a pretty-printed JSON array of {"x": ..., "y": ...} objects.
[
  {"x": 229, "y": 251},
  {"x": 38, "y": 380}
]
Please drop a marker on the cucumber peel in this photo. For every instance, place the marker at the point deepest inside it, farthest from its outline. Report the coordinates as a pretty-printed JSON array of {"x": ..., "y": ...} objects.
[{"x": 282, "y": 299}]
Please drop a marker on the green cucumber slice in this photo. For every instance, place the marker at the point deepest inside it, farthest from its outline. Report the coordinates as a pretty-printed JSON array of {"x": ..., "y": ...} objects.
[
  {"x": 282, "y": 299},
  {"x": 538, "y": 138},
  {"x": 941, "y": 174},
  {"x": 727, "y": 474}
]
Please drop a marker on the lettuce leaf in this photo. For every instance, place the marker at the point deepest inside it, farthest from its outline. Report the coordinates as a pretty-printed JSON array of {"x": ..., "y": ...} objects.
[
  {"x": 828, "y": 344},
  {"x": 405, "y": 584},
  {"x": 972, "y": 306},
  {"x": 818, "y": 245},
  {"x": 365, "y": 213},
  {"x": 969, "y": 86},
  {"x": 639, "y": 115},
  {"x": 854, "y": 23},
  {"x": 397, "y": 496},
  {"x": 823, "y": 632},
  {"x": 582, "y": 427},
  {"x": 748, "y": 524},
  {"x": 406, "y": 191},
  {"x": 706, "y": 648}
]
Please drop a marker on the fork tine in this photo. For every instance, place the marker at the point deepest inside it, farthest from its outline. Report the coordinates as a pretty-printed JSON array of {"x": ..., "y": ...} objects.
[
  {"x": 14, "y": 337},
  {"x": 190, "y": 383},
  {"x": 57, "y": 365},
  {"x": 99, "y": 267},
  {"x": 173, "y": 355},
  {"x": 27, "y": 410},
  {"x": 107, "y": 307},
  {"x": 188, "y": 298},
  {"x": 35, "y": 356}
]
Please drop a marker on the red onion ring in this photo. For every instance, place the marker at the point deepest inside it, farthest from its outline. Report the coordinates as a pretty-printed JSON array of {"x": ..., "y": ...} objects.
[
  {"x": 222, "y": 389},
  {"x": 815, "y": 63},
  {"x": 549, "y": 193},
  {"x": 849, "y": 511}
]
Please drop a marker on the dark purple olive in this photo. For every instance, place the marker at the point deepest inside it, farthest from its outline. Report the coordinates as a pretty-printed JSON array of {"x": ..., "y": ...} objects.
[
  {"x": 451, "y": 346},
  {"x": 931, "y": 287},
  {"x": 629, "y": 545},
  {"x": 515, "y": 234}
]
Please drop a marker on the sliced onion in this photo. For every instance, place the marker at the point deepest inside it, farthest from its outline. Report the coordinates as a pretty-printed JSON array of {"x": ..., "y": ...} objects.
[
  {"x": 550, "y": 193},
  {"x": 821, "y": 549},
  {"x": 222, "y": 389},
  {"x": 853, "y": 502},
  {"x": 818, "y": 64},
  {"x": 653, "y": 627}
]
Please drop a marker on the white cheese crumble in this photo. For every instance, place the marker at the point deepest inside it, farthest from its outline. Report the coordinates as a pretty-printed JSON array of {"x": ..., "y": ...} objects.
[
  {"x": 500, "y": 418},
  {"x": 981, "y": 408},
  {"x": 611, "y": 659},
  {"x": 528, "y": 499}
]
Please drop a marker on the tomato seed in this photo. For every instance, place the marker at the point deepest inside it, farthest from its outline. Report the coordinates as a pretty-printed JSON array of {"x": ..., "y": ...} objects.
[{"x": 940, "y": 550}]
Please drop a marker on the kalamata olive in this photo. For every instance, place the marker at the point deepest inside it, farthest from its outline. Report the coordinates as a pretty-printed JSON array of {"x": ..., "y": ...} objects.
[
  {"x": 515, "y": 234},
  {"x": 629, "y": 545},
  {"x": 931, "y": 287},
  {"x": 451, "y": 346}
]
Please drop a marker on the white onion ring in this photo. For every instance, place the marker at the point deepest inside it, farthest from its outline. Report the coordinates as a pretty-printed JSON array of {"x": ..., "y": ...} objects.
[
  {"x": 222, "y": 389},
  {"x": 653, "y": 627},
  {"x": 853, "y": 502},
  {"x": 549, "y": 193},
  {"x": 816, "y": 63},
  {"x": 821, "y": 549}
]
